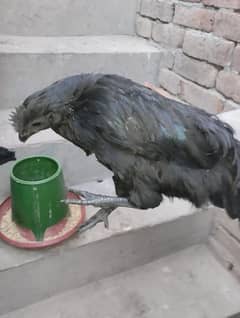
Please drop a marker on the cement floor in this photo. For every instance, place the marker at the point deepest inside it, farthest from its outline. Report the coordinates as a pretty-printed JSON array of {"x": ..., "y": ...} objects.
[{"x": 189, "y": 284}]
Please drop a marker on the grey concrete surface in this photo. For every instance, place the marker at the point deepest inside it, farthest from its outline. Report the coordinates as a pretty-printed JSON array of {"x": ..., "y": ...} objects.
[
  {"x": 28, "y": 64},
  {"x": 189, "y": 284},
  {"x": 67, "y": 17}
]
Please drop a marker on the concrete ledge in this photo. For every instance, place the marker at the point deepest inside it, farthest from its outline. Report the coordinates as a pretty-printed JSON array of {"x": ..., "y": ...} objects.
[
  {"x": 74, "y": 44},
  {"x": 67, "y": 17},
  {"x": 61, "y": 269},
  {"x": 189, "y": 283},
  {"x": 225, "y": 241},
  {"x": 28, "y": 64}
]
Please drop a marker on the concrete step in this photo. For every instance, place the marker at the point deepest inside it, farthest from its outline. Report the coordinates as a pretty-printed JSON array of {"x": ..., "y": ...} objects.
[
  {"x": 30, "y": 63},
  {"x": 135, "y": 238},
  {"x": 190, "y": 283},
  {"x": 67, "y": 17}
]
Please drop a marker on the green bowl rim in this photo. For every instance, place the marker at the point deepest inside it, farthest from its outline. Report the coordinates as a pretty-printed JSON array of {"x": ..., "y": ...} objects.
[{"x": 56, "y": 174}]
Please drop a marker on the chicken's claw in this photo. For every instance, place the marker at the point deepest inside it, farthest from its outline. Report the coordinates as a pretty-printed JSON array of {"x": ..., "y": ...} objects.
[{"x": 101, "y": 216}]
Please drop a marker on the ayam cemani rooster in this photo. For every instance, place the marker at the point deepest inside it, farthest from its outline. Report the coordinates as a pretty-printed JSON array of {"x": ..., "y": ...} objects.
[{"x": 153, "y": 145}]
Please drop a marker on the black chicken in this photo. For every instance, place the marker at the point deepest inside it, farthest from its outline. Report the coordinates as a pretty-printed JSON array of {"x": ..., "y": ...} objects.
[
  {"x": 153, "y": 145},
  {"x": 6, "y": 155}
]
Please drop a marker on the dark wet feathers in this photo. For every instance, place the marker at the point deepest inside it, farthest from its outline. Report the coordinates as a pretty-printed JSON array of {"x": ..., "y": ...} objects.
[
  {"x": 153, "y": 145},
  {"x": 144, "y": 123}
]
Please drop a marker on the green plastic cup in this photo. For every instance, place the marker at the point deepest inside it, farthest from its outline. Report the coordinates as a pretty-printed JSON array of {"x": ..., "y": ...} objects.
[{"x": 37, "y": 188}]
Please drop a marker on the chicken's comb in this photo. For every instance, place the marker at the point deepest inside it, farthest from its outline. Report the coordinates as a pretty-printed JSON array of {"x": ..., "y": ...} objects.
[{"x": 15, "y": 116}]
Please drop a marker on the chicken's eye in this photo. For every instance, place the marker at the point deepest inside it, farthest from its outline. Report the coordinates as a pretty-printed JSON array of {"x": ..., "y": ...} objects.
[{"x": 36, "y": 124}]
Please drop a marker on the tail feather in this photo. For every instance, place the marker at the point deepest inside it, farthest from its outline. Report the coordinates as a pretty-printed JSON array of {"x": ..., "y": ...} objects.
[
  {"x": 232, "y": 194},
  {"x": 232, "y": 205}
]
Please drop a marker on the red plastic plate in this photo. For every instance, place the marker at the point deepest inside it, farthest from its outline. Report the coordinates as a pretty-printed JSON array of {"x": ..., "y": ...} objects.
[{"x": 50, "y": 238}]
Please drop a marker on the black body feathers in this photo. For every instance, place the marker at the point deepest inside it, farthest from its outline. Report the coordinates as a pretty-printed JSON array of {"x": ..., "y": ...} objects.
[{"x": 153, "y": 145}]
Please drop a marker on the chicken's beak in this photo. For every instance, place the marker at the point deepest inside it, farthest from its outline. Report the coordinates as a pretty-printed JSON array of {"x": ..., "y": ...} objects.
[{"x": 22, "y": 138}]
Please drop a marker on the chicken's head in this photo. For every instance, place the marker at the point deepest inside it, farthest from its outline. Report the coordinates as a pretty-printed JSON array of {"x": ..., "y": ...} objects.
[{"x": 35, "y": 114}]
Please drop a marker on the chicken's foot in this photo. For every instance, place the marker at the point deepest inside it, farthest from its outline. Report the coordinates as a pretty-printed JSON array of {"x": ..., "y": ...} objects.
[
  {"x": 107, "y": 204},
  {"x": 98, "y": 200},
  {"x": 101, "y": 216}
]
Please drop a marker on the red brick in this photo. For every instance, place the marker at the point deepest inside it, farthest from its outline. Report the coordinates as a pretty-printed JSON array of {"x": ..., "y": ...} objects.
[
  {"x": 138, "y": 6},
  {"x": 166, "y": 58},
  {"x": 203, "y": 98},
  {"x": 170, "y": 81},
  {"x": 208, "y": 47},
  {"x": 191, "y": 93},
  {"x": 231, "y": 4},
  {"x": 148, "y": 8},
  {"x": 194, "y": 17},
  {"x": 197, "y": 71},
  {"x": 228, "y": 84},
  {"x": 236, "y": 59},
  {"x": 165, "y": 10},
  {"x": 168, "y": 34},
  {"x": 227, "y": 25},
  {"x": 143, "y": 27}
]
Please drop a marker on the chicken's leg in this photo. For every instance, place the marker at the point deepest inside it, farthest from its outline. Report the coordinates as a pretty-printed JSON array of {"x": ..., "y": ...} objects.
[
  {"x": 98, "y": 200},
  {"x": 107, "y": 204}
]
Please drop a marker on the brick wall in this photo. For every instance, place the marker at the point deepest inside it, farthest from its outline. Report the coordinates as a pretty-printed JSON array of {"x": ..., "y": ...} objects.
[{"x": 200, "y": 41}]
